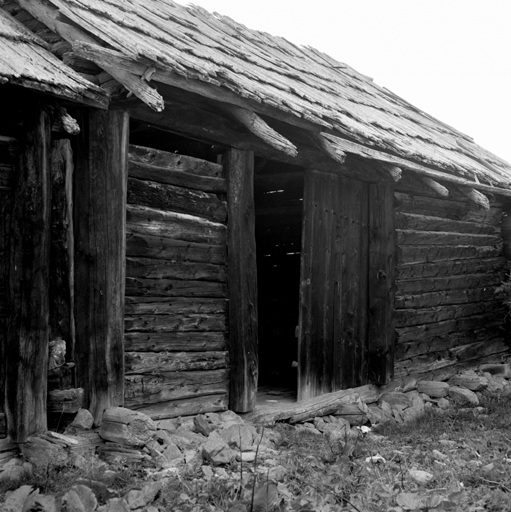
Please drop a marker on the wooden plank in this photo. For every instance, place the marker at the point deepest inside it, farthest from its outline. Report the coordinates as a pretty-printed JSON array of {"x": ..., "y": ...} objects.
[
  {"x": 406, "y": 236},
  {"x": 174, "y": 288},
  {"x": 175, "y": 341},
  {"x": 176, "y": 322},
  {"x": 381, "y": 284},
  {"x": 168, "y": 269},
  {"x": 142, "y": 390},
  {"x": 430, "y": 284},
  {"x": 177, "y": 199},
  {"x": 158, "y": 247},
  {"x": 100, "y": 220},
  {"x": 242, "y": 276},
  {"x": 450, "y": 268},
  {"x": 150, "y": 172},
  {"x": 417, "y": 222},
  {"x": 434, "y": 253},
  {"x": 150, "y": 362},
  {"x": 180, "y": 226},
  {"x": 175, "y": 162},
  {"x": 459, "y": 296},
  {"x": 26, "y": 351},
  {"x": 157, "y": 306},
  {"x": 185, "y": 407}
]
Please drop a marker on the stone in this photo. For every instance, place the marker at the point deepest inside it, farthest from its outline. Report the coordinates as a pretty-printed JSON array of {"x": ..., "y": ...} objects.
[
  {"x": 409, "y": 384},
  {"x": 202, "y": 425},
  {"x": 13, "y": 473},
  {"x": 217, "y": 451},
  {"x": 139, "y": 499},
  {"x": 41, "y": 452},
  {"x": 433, "y": 388},
  {"x": 420, "y": 477},
  {"x": 127, "y": 427},
  {"x": 277, "y": 474},
  {"x": 472, "y": 382},
  {"x": 171, "y": 452},
  {"x": 463, "y": 396},
  {"x": 438, "y": 455},
  {"x": 319, "y": 423},
  {"x": 83, "y": 420},
  {"x": 241, "y": 437},
  {"x": 246, "y": 456},
  {"x": 386, "y": 410},
  {"x": 229, "y": 418},
  {"x": 100, "y": 490},
  {"x": 395, "y": 398},
  {"x": 375, "y": 415},
  {"x": 114, "y": 505},
  {"x": 413, "y": 412},
  {"x": 503, "y": 370},
  {"x": 443, "y": 403}
]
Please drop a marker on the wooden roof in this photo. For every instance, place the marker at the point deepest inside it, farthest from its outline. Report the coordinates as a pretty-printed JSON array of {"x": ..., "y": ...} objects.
[
  {"x": 149, "y": 41},
  {"x": 25, "y": 60}
]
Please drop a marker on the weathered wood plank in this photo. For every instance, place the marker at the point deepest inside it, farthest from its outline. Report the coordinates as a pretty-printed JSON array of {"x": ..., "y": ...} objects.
[
  {"x": 176, "y": 322},
  {"x": 174, "y": 288},
  {"x": 166, "y": 248},
  {"x": 168, "y": 269},
  {"x": 150, "y": 362},
  {"x": 450, "y": 268},
  {"x": 158, "y": 306},
  {"x": 177, "y": 199},
  {"x": 100, "y": 227},
  {"x": 150, "y": 172},
  {"x": 141, "y": 390},
  {"x": 434, "y": 253},
  {"x": 175, "y": 341},
  {"x": 405, "y": 236},
  {"x": 175, "y": 162},
  {"x": 180, "y": 226},
  {"x": 413, "y": 221},
  {"x": 242, "y": 268},
  {"x": 65, "y": 400},
  {"x": 430, "y": 284},
  {"x": 459, "y": 296},
  {"x": 185, "y": 407},
  {"x": 26, "y": 350}
]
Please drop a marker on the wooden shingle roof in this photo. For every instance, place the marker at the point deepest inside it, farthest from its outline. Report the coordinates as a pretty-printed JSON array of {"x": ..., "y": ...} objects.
[{"x": 212, "y": 55}]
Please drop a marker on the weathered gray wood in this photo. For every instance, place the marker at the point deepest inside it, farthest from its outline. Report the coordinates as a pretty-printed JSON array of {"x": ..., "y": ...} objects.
[
  {"x": 406, "y": 236},
  {"x": 413, "y": 221},
  {"x": 176, "y": 322},
  {"x": 157, "y": 306},
  {"x": 180, "y": 226},
  {"x": 177, "y": 199},
  {"x": 430, "y": 284},
  {"x": 142, "y": 390},
  {"x": 26, "y": 352},
  {"x": 434, "y": 253},
  {"x": 150, "y": 362},
  {"x": 100, "y": 213},
  {"x": 175, "y": 341},
  {"x": 168, "y": 269},
  {"x": 174, "y": 288},
  {"x": 242, "y": 275},
  {"x": 175, "y": 162},
  {"x": 459, "y": 296},
  {"x": 178, "y": 250},
  {"x": 65, "y": 400}
]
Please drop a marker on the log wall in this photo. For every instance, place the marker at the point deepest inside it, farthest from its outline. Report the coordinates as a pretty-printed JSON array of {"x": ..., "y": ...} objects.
[
  {"x": 450, "y": 262},
  {"x": 176, "y": 285}
]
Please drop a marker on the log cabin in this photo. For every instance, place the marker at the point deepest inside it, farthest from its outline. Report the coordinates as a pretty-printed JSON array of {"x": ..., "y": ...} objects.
[{"x": 232, "y": 211}]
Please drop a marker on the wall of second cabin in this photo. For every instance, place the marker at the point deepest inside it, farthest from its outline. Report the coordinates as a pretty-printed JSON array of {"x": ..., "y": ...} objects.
[{"x": 448, "y": 314}]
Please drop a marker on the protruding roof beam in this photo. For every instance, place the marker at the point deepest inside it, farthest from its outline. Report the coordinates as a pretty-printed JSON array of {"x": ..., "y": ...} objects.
[
  {"x": 395, "y": 171},
  {"x": 476, "y": 196},
  {"x": 434, "y": 185},
  {"x": 333, "y": 152},
  {"x": 259, "y": 127}
]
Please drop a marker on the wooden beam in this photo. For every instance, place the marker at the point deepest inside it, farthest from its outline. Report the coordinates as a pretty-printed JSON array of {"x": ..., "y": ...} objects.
[
  {"x": 394, "y": 171},
  {"x": 261, "y": 129},
  {"x": 475, "y": 196},
  {"x": 434, "y": 185},
  {"x": 100, "y": 251},
  {"x": 242, "y": 275},
  {"x": 334, "y": 153},
  {"x": 26, "y": 353}
]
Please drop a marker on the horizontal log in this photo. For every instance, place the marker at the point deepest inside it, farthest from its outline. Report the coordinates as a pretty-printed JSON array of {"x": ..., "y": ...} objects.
[
  {"x": 430, "y": 284},
  {"x": 65, "y": 400},
  {"x": 421, "y": 332},
  {"x": 180, "y": 305},
  {"x": 174, "y": 288},
  {"x": 176, "y": 199},
  {"x": 437, "y": 187},
  {"x": 449, "y": 268},
  {"x": 175, "y": 162},
  {"x": 175, "y": 341},
  {"x": 180, "y": 226},
  {"x": 162, "y": 387},
  {"x": 460, "y": 296},
  {"x": 414, "y": 221},
  {"x": 176, "y": 322},
  {"x": 144, "y": 171},
  {"x": 450, "y": 209},
  {"x": 168, "y": 269},
  {"x": 151, "y": 362},
  {"x": 406, "y": 236},
  {"x": 185, "y": 407},
  {"x": 434, "y": 253},
  {"x": 168, "y": 249},
  {"x": 410, "y": 317}
]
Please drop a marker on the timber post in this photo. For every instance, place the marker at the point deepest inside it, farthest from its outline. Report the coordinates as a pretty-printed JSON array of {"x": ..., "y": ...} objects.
[
  {"x": 26, "y": 352},
  {"x": 100, "y": 247},
  {"x": 242, "y": 279}
]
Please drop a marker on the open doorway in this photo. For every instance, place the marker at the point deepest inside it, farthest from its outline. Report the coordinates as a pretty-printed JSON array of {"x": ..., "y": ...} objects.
[{"x": 278, "y": 195}]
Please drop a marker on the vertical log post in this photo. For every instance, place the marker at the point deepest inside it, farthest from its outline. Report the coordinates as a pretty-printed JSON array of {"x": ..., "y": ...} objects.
[
  {"x": 242, "y": 276},
  {"x": 26, "y": 354},
  {"x": 100, "y": 183}
]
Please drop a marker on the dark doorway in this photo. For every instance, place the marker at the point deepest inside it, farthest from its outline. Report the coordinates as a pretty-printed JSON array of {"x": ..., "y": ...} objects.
[{"x": 278, "y": 194}]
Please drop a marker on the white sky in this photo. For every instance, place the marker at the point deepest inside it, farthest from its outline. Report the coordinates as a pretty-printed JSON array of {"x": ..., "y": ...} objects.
[{"x": 450, "y": 58}]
